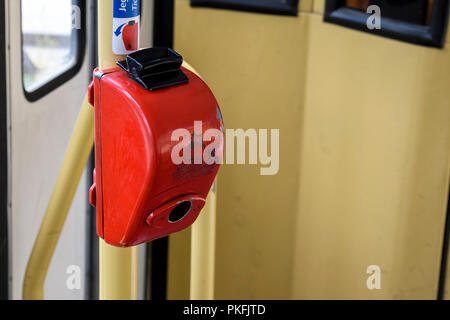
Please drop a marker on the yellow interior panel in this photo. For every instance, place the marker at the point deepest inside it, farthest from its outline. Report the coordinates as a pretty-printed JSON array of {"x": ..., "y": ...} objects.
[
  {"x": 179, "y": 266},
  {"x": 319, "y": 6},
  {"x": 364, "y": 156},
  {"x": 306, "y": 5}
]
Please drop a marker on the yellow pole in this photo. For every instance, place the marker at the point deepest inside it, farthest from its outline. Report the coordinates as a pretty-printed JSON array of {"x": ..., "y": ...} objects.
[
  {"x": 203, "y": 244},
  {"x": 106, "y": 57},
  {"x": 118, "y": 272},
  {"x": 118, "y": 266},
  {"x": 77, "y": 155}
]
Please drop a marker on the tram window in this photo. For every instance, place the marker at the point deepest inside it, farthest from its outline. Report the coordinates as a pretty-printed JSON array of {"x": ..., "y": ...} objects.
[
  {"x": 418, "y": 21},
  {"x": 283, "y": 7},
  {"x": 412, "y": 11},
  {"x": 52, "y": 44}
]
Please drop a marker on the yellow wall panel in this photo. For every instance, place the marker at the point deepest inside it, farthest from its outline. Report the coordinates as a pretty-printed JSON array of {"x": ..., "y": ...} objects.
[
  {"x": 365, "y": 140},
  {"x": 306, "y": 5},
  {"x": 374, "y": 169},
  {"x": 251, "y": 72},
  {"x": 319, "y": 6},
  {"x": 179, "y": 266}
]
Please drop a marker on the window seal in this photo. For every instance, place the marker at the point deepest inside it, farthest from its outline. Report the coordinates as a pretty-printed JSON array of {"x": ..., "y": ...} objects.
[
  {"x": 432, "y": 35},
  {"x": 289, "y": 7},
  {"x": 79, "y": 43}
]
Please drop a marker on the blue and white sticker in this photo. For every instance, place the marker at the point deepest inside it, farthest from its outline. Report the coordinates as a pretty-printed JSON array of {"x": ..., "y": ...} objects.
[{"x": 126, "y": 25}]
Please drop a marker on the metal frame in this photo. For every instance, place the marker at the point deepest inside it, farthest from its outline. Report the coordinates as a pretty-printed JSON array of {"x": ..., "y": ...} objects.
[
  {"x": 92, "y": 241},
  {"x": 4, "y": 256},
  {"x": 280, "y": 7},
  {"x": 433, "y": 35}
]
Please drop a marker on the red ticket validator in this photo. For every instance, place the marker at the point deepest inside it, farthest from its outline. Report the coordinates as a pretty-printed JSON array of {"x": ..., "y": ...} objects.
[
  {"x": 130, "y": 36},
  {"x": 140, "y": 192}
]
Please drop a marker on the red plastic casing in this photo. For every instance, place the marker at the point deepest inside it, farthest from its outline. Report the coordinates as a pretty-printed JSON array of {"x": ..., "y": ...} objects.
[{"x": 136, "y": 183}]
